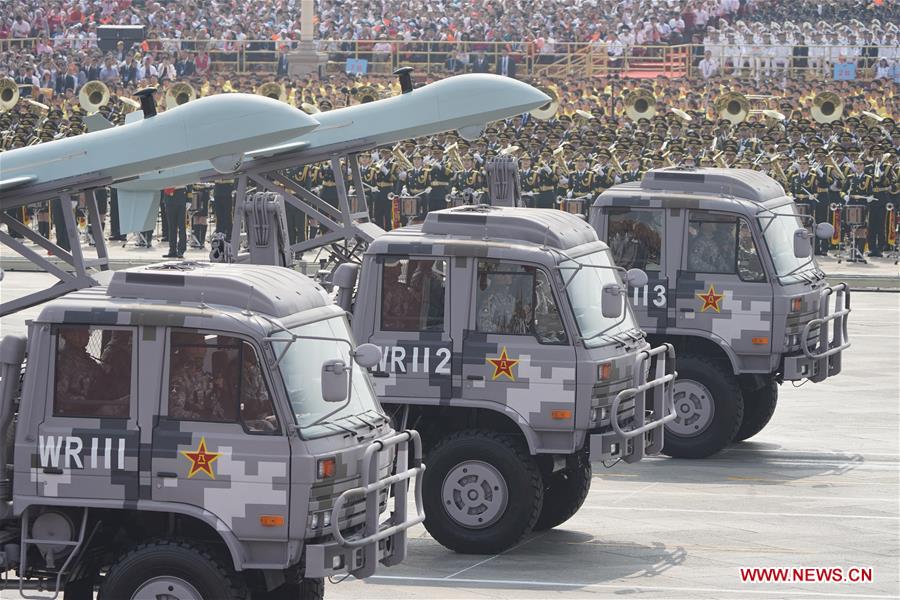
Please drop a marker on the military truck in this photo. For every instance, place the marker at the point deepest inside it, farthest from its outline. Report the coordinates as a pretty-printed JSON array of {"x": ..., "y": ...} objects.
[
  {"x": 507, "y": 342},
  {"x": 197, "y": 431},
  {"x": 733, "y": 286}
]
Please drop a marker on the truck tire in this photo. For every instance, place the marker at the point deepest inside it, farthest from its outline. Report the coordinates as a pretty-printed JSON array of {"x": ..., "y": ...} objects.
[
  {"x": 171, "y": 569},
  {"x": 307, "y": 589},
  {"x": 759, "y": 406},
  {"x": 709, "y": 406},
  {"x": 565, "y": 492},
  {"x": 482, "y": 492}
]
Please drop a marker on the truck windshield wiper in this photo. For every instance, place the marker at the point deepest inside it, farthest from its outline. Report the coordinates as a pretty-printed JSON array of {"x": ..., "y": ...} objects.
[{"x": 334, "y": 424}]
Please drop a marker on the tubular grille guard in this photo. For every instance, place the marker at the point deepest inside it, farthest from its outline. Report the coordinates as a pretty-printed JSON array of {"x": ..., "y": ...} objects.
[
  {"x": 661, "y": 401},
  {"x": 827, "y": 352},
  {"x": 398, "y": 522}
]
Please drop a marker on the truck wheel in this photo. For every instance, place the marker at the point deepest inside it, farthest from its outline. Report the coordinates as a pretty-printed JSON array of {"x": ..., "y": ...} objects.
[
  {"x": 173, "y": 570},
  {"x": 564, "y": 493},
  {"x": 759, "y": 406},
  {"x": 709, "y": 406},
  {"x": 482, "y": 491}
]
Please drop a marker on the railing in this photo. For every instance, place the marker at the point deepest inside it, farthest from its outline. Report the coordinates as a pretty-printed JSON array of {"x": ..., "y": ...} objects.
[{"x": 562, "y": 60}]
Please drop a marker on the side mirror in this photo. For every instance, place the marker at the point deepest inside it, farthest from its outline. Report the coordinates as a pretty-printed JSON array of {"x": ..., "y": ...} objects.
[
  {"x": 367, "y": 355},
  {"x": 636, "y": 278},
  {"x": 824, "y": 231},
  {"x": 802, "y": 247},
  {"x": 611, "y": 301},
  {"x": 335, "y": 375}
]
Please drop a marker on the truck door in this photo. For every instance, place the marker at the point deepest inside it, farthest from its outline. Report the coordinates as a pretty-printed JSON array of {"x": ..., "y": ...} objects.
[
  {"x": 218, "y": 443},
  {"x": 412, "y": 327},
  {"x": 636, "y": 238},
  {"x": 516, "y": 351},
  {"x": 722, "y": 290},
  {"x": 88, "y": 441}
]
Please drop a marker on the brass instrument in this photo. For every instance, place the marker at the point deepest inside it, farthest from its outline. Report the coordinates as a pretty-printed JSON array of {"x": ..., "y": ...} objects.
[
  {"x": 366, "y": 94},
  {"x": 93, "y": 96},
  {"x": 681, "y": 115},
  {"x": 9, "y": 93},
  {"x": 559, "y": 155},
  {"x": 272, "y": 90},
  {"x": 131, "y": 104},
  {"x": 733, "y": 107},
  {"x": 401, "y": 158},
  {"x": 509, "y": 151},
  {"x": 827, "y": 107},
  {"x": 837, "y": 169},
  {"x": 452, "y": 153},
  {"x": 310, "y": 109},
  {"x": 325, "y": 104},
  {"x": 547, "y": 111},
  {"x": 180, "y": 93},
  {"x": 640, "y": 104}
]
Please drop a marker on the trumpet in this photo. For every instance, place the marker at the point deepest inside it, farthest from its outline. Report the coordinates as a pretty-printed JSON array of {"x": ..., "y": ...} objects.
[{"x": 452, "y": 153}]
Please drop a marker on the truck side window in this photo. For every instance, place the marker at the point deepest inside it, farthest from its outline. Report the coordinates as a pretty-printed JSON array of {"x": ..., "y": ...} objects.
[
  {"x": 749, "y": 264},
  {"x": 635, "y": 238},
  {"x": 516, "y": 299},
  {"x": 215, "y": 378},
  {"x": 712, "y": 244},
  {"x": 93, "y": 372},
  {"x": 412, "y": 294}
]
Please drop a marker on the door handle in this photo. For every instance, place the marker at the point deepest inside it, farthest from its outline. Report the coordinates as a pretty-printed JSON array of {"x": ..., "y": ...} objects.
[
  {"x": 167, "y": 474},
  {"x": 380, "y": 374},
  {"x": 686, "y": 310},
  {"x": 53, "y": 471},
  {"x": 475, "y": 377}
]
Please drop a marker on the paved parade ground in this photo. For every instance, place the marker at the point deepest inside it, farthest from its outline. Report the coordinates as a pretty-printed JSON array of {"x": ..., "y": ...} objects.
[{"x": 818, "y": 489}]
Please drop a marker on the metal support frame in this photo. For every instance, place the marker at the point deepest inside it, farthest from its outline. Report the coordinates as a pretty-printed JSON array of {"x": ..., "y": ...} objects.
[
  {"x": 347, "y": 232},
  {"x": 68, "y": 281}
]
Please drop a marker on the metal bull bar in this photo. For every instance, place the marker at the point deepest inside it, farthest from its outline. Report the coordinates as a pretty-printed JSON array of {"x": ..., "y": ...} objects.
[
  {"x": 661, "y": 401},
  {"x": 827, "y": 353},
  {"x": 395, "y": 527}
]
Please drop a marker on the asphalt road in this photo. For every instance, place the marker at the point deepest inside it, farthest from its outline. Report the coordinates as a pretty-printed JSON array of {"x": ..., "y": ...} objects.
[{"x": 818, "y": 488}]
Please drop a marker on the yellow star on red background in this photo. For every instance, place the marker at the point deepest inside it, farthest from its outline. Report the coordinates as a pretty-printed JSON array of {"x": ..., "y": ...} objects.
[
  {"x": 710, "y": 299},
  {"x": 201, "y": 460},
  {"x": 503, "y": 365}
]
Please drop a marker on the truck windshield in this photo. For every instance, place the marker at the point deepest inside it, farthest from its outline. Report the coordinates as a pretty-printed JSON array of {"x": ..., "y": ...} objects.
[
  {"x": 779, "y": 225},
  {"x": 301, "y": 369},
  {"x": 586, "y": 275}
]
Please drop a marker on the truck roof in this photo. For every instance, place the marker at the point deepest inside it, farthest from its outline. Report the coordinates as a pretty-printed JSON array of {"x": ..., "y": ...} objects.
[
  {"x": 710, "y": 186},
  {"x": 489, "y": 225},
  {"x": 173, "y": 286}
]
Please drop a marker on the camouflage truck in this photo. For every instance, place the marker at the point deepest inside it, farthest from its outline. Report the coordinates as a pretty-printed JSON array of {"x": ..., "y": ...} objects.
[
  {"x": 507, "y": 342},
  {"x": 733, "y": 286},
  {"x": 197, "y": 431}
]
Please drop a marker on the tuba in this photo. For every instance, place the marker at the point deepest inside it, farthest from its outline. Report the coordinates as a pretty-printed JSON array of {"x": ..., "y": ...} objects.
[
  {"x": 827, "y": 107},
  {"x": 93, "y": 96},
  {"x": 547, "y": 111},
  {"x": 640, "y": 104},
  {"x": 9, "y": 93},
  {"x": 366, "y": 94},
  {"x": 733, "y": 107},
  {"x": 272, "y": 90},
  {"x": 180, "y": 93},
  {"x": 401, "y": 158}
]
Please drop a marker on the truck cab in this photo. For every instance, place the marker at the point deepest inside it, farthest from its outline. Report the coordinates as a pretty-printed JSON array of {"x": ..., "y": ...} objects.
[
  {"x": 198, "y": 431},
  {"x": 733, "y": 285},
  {"x": 506, "y": 339}
]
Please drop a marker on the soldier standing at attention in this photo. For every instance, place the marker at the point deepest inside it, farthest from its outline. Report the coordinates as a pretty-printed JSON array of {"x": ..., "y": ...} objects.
[
  {"x": 440, "y": 175},
  {"x": 175, "y": 200},
  {"x": 224, "y": 206},
  {"x": 531, "y": 181},
  {"x": 803, "y": 183},
  {"x": 386, "y": 182},
  {"x": 418, "y": 179}
]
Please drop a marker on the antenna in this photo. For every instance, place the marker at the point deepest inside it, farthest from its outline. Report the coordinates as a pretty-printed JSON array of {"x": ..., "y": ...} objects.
[{"x": 247, "y": 312}]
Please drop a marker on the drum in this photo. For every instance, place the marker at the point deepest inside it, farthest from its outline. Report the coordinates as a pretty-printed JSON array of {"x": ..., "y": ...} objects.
[
  {"x": 855, "y": 215},
  {"x": 409, "y": 206},
  {"x": 454, "y": 200},
  {"x": 575, "y": 207}
]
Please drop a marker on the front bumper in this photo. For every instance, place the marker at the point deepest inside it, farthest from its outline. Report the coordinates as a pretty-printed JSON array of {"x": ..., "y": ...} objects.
[
  {"x": 821, "y": 358},
  {"x": 637, "y": 437},
  {"x": 385, "y": 543}
]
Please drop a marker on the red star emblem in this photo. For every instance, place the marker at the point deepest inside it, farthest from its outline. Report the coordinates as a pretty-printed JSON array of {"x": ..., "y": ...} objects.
[
  {"x": 710, "y": 299},
  {"x": 503, "y": 365},
  {"x": 201, "y": 460}
]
